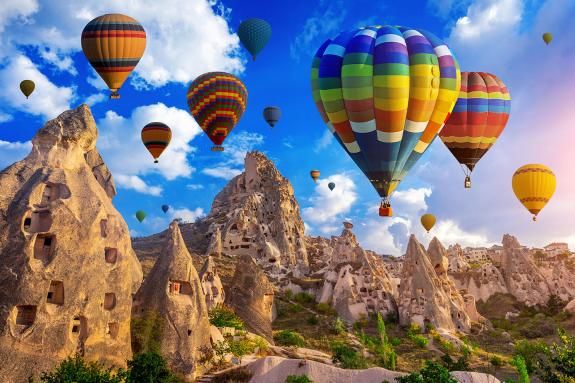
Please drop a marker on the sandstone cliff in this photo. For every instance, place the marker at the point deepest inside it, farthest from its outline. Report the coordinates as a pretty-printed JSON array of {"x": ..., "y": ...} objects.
[
  {"x": 212, "y": 284},
  {"x": 67, "y": 269},
  {"x": 173, "y": 292}
]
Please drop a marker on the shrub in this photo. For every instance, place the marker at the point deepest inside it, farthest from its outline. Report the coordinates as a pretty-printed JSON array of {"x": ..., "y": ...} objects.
[
  {"x": 288, "y": 294},
  {"x": 289, "y": 338},
  {"x": 420, "y": 340},
  {"x": 241, "y": 347},
  {"x": 496, "y": 361},
  {"x": 395, "y": 342},
  {"x": 75, "y": 369},
  {"x": 413, "y": 329},
  {"x": 324, "y": 308},
  {"x": 295, "y": 308},
  {"x": 347, "y": 356},
  {"x": 360, "y": 324},
  {"x": 237, "y": 375},
  {"x": 304, "y": 298},
  {"x": 559, "y": 366},
  {"x": 147, "y": 332},
  {"x": 223, "y": 316},
  {"x": 431, "y": 373},
  {"x": 338, "y": 326},
  {"x": 298, "y": 379},
  {"x": 149, "y": 367},
  {"x": 461, "y": 364},
  {"x": 313, "y": 320},
  {"x": 531, "y": 352},
  {"x": 519, "y": 365},
  {"x": 261, "y": 344}
]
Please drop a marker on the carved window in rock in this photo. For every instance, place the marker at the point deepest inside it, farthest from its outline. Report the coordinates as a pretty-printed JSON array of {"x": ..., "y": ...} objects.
[
  {"x": 215, "y": 291},
  {"x": 44, "y": 247},
  {"x": 180, "y": 287},
  {"x": 104, "y": 228},
  {"x": 56, "y": 293},
  {"x": 27, "y": 223},
  {"x": 48, "y": 194},
  {"x": 25, "y": 315},
  {"x": 40, "y": 221},
  {"x": 80, "y": 326},
  {"x": 113, "y": 329},
  {"x": 234, "y": 227},
  {"x": 111, "y": 255},
  {"x": 109, "y": 301}
]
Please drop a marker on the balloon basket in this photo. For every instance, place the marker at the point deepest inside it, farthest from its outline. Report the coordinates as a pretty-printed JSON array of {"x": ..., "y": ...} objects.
[
  {"x": 385, "y": 212},
  {"x": 217, "y": 148},
  {"x": 114, "y": 95},
  {"x": 467, "y": 182}
]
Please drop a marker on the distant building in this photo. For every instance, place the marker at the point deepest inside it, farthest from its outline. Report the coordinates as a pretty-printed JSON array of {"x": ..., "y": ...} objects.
[
  {"x": 556, "y": 248},
  {"x": 475, "y": 254},
  {"x": 495, "y": 253}
]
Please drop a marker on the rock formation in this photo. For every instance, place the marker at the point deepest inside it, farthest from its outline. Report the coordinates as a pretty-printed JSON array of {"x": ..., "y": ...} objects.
[
  {"x": 215, "y": 246},
  {"x": 251, "y": 295},
  {"x": 67, "y": 269},
  {"x": 173, "y": 292},
  {"x": 426, "y": 297},
  {"x": 212, "y": 284}
]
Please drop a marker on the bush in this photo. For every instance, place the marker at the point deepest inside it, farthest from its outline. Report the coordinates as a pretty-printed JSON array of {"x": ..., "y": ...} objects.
[
  {"x": 420, "y": 340},
  {"x": 289, "y": 338},
  {"x": 295, "y": 308},
  {"x": 298, "y": 379},
  {"x": 496, "y": 361},
  {"x": 304, "y": 298},
  {"x": 75, "y": 369},
  {"x": 325, "y": 308},
  {"x": 149, "y": 367},
  {"x": 531, "y": 352},
  {"x": 338, "y": 326},
  {"x": 519, "y": 365},
  {"x": 223, "y": 316},
  {"x": 313, "y": 320},
  {"x": 147, "y": 332},
  {"x": 237, "y": 375},
  {"x": 431, "y": 373},
  {"x": 461, "y": 364},
  {"x": 395, "y": 342},
  {"x": 559, "y": 366},
  {"x": 347, "y": 356},
  {"x": 288, "y": 294},
  {"x": 241, "y": 347}
]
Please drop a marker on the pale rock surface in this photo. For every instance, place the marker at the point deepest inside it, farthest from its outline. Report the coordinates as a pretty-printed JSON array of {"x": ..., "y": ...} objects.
[
  {"x": 174, "y": 291},
  {"x": 251, "y": 295},
  {"x": 67, "y": 269},
  {"x": 473, "y": 377},
  {"x": 215, "y": 246},
  {"x": 570, "y": 307},
  {"x": 426, "y": 297},
  {"x": 212, "y": 284}
]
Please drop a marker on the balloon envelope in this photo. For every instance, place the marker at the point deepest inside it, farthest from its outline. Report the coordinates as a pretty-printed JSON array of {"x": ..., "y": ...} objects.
[
  {"x": 385, "y": 92},
  {"x": 428, "y": 221},
  {"x": 27, "y": 87},
  {"x": 314, "y": 174},
  {"x": 165, "y": 208},
  {"x": 114, "y": 44},
  {"x": 156, "y": 136},
  {"x": 140, "y": 215},
  {"x": 478, "y": 119},
  {"x": 331, "y": 186},
  {"x": 254, "y": 35},
  {"x": 547, "y": 37},
  {"x": 534, "y": 185},
  {"x": 217, "y": 100},
  {"x": 272, "y": 114}
]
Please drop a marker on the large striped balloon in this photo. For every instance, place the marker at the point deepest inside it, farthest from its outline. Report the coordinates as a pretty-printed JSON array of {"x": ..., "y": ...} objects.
[
  {"x": 156, "y": 136},
  {"x": 217, "y": 100},
  {"x": 113, "y": 44},
  {"x": 385, "y": 92},
  {"x": 534, "y": 185},
  {"x": 479, "y": 117}
]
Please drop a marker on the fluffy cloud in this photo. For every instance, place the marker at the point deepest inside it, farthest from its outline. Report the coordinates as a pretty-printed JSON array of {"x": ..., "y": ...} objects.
[
  {"x": 327, "y": 205},
  {"x": 122, "y": 149},
  {"x": 223, "y": 172},
  {"x": 324, "y": 141},
  {"x": 187, "y": 215},
  {"x": 95, "y": 99},
  {"x": 48, "y": 100},
  {"x": 194, "y": 186},
  {"x": 13, "y": 151},
  {"x": 137, "y": 184},
  {"x": 449, "y": 233},
  {"x": 170, "y": 29},
  {"x": 488, "y": 17}
]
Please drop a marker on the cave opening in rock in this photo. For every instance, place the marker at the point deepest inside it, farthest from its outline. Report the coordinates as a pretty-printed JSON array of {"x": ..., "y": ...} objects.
[
  {"x": 56, "y": 293},
  {"x": 25, "y": 315}
]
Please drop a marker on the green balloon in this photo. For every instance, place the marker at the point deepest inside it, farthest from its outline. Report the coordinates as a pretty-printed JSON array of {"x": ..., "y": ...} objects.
[
  {"x": 140, "y": 215},
  {"x": 27, "y": 87}
]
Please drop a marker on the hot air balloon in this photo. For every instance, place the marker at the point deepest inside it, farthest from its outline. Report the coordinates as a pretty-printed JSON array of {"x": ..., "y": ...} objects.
[
  {"x": 114, "y": 44},
  {"x": 534, "y": 185},
  {"x": 385, "y": 92},
  {"x": 217, "y": 101},
  {"x": 272, "y": 114},
  {"x": 140, "y": 215},
  {"x": 165, "y": 208},
  {"x": 331, "y": 185},
  {"x": 254, "y": 35},
  {"x": 428, "y": 221},
  {"x": 156, "y": 136},
  {"x": 314, "y": 174},
  {"x": 479, "y": 117},
  {"x": 547, "y": 37},
  {"x": 27, "y": 87}
]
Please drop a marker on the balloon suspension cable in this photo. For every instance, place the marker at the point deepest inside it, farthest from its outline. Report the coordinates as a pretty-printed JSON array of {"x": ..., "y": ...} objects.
[
  {"x": 114, "y": 95},
  {"x": 217, "y": 148},
  {"x": 534, "y": 218},
  {"x": 467, "y": 174}
]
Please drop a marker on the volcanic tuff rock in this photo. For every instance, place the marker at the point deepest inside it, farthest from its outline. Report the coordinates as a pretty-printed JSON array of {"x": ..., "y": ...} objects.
[
  {"x": 67, "y": 269},
  {"x": 428, "y": 297},
  {"x": 212, "y": 284},
  {"x": 174, "y": 291},
  {"x": 251, "y": 295}
]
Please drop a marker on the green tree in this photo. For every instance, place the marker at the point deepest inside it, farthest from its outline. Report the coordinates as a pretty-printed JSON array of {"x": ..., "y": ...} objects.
[
  {"x": 338, "y": 326},
  {"x": 289, "y": 338},
  {"x": 347, "y": 356},
  {"x": 559, "y": 366},
  {"x": 298, "y": 379},
  {"x": 519, "y": 363},
  {"x": 224, "y": 316},
  {"x": 75, "y": 369},
  {"x": 241, "y": 347},
  {"x": 531, "y": 352},
  {"x": 147, "y": 332},
  {"x": 431, "y": 373}
]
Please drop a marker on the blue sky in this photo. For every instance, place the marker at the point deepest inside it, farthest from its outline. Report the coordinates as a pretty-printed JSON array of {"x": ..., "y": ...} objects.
[{"x": 41, "y": 40}]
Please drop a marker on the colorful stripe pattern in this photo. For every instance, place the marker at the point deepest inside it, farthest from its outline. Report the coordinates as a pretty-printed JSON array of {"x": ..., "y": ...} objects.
[
  {"x": 114, "y": 44},
  {"x": 534, "y": 185},
  {"x": 217, "y": 100},
  {"x": 156, "y": 136},
  {"x": 479, "y": 117},
  {"x": 385, "y": 92}
]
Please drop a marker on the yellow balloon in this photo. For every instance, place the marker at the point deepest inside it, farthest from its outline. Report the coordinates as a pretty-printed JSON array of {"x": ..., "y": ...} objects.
[
  {"x": 534, "y": 185},
  {"x": 428, "y": 221},
  {"x": 547, "y": 37}
]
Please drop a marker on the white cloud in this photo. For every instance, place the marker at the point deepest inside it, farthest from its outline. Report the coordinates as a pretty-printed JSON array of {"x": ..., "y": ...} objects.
[
  {"x": 486, "y": 17},
  {"x": 411, "y": 201},
  {"x": 170, "y": 28},
  {"x": 223, "y": 172},
  {"x": 121, "y": 146},
  {"x": 449, "y": 233},
  {"x": 324, "y": 141},
  {"x": 194, "y": 186},
  {"x": 327, "y": 205},
  {"x": 187, "y": 215},
  {"x": 13, "y": 151},
  {"x": 5, "y": 117},
  {"x": 95, "y": 99},
  {"x": 137, "y": 184},
  {"x": 48, "y": 100}
]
